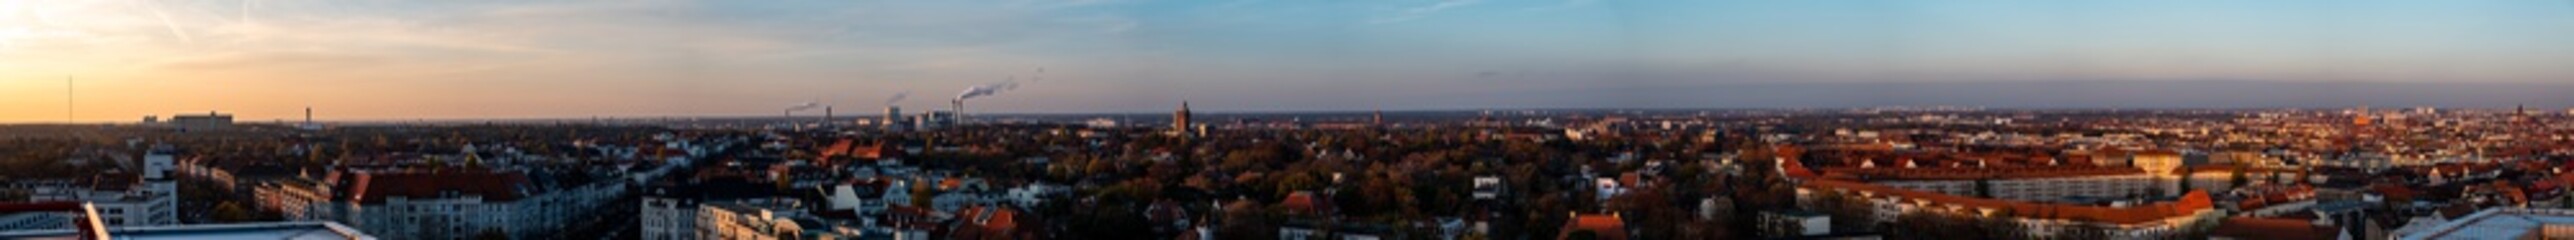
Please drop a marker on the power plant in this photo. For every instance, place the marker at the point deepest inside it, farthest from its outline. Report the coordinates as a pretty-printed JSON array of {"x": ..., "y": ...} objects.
[{"x": 893, "y": 118}]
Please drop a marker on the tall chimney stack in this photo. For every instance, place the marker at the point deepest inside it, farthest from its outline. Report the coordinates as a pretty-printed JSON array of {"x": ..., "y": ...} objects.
[{"x": 958, "y": 105}]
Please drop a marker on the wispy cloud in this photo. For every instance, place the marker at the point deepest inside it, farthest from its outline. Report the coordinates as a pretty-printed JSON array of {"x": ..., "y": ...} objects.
[
  {"x": 245, "y": 10},
  {"x": 1425, "y": 11},
  {"x": 635, "y": 56},
  {"x": 1568, "y": 4},
  {"x": 175, "y": 30}
]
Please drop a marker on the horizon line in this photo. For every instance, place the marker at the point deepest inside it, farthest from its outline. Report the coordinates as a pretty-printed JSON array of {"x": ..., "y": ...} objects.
[{"x": 238, "y": 119}]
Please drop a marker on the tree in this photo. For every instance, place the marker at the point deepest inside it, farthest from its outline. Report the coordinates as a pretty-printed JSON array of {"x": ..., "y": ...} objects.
[
  {"x": 230, "y": 212},
  {"x": 2001, "y": 226},
  {"x": 2082, "y": 231},
  {"x": 1983, "y": 188},
  {"x": 1248, "y": 220},
  {"x": 1925, "y": 225},
  {"x": 1585, "y": 234},
  {"x": 2239, "y": 180},
  {"x": 920, "y": 194},
  {"x": 2184, "y": 183},
  {"x": 491, "y": 234},
  {"x": 1651, "y": 212},
  {"x": 1297, "y": 181},
  {"x": 1849, "y": 214}
]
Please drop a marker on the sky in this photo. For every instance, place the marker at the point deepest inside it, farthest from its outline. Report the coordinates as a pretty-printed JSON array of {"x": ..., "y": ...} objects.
[{"x": 465, "y": 59}]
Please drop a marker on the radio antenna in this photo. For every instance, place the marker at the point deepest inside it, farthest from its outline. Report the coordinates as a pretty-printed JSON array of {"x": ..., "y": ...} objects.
[{"x": 70, "y": 103}]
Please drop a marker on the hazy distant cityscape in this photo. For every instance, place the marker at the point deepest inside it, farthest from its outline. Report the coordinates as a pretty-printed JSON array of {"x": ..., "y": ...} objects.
[
  {"x": 1904, "y": 173},
  {"x": 1291, "y": 120}
]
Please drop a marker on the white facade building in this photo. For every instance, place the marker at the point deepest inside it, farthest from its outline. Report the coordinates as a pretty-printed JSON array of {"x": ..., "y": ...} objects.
[
  {"x": 668, "y": 218},
  {"x": 755, "y": 220},
  {"x": 35, "y": 221},
  {"x": 2193, "y": 211},
  {"x": 150, "y": 198},
  {"x": 440, "y": 205},
  {"x": 2504, "y": 223},
  {"x": 2046, "y": 189}
]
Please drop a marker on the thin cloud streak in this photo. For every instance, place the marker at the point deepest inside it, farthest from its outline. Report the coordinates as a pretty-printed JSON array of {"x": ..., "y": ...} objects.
[
  {"x": 464, "y": 59},
  {"x": 175, "y": 30},
  {"x": 1426, "y": 11}
]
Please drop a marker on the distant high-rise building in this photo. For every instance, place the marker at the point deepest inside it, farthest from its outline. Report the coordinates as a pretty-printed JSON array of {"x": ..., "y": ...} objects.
[
  {"x": 893, "y": 118},
  {"x": 1180, "y": 119},
  {"x": 308, "y": 120},
  {"x": 209, "y": 121},
  {"x": 934, "y": 120},
  {"x": 1380, "y": 118},
  {"x": 2520, "y": 114}
]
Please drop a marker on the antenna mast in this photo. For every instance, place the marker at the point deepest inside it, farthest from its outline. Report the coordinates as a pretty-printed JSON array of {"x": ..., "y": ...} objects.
[{"x": 70, "y": 103}]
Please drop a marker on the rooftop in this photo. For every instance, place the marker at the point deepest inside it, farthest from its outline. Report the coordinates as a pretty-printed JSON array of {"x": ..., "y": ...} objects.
[
  {"x": 375, "y": 187},
  {"x": 2273, "y": 228},
  {"x": 1892, "y": 174},
  {"x": 2502, "y": 223},
  {"x": 2189, "y": 204},
  {"x": 263, "y": 231}
]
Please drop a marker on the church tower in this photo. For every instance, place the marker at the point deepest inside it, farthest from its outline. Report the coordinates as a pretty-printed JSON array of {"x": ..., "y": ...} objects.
[{"x": 1180, "y": 119}]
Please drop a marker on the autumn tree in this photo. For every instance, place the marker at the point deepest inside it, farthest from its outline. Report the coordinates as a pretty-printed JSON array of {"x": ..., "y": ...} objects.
[
  {"x": 230, "y": 212},
  {"x": 491, "y": 234}
]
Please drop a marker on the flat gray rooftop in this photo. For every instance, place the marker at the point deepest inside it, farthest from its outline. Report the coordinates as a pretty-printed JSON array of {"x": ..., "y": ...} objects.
[{"x": 2499, "y": 224}]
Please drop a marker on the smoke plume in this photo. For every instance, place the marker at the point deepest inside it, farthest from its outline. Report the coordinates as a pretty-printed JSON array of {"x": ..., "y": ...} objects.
[
  {"x": 987, "y": 89},
  {"x": 898, "y": 98},
  {"x": 802, "y": 107}
]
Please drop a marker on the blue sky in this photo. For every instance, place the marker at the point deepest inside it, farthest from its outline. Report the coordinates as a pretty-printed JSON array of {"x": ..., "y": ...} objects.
[{"x": 510, "y": 59}]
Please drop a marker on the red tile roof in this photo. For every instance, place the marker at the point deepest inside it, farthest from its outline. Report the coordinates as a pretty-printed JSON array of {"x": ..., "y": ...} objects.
[
  {"x": 1879, "y": 174},
  {"x": 375, "y": 187},
  {"x": 2395, "y": 191},
  {"x": 2514, "y": 194},
  {"x": 2189, "y": 204},
  {"x": 1305, "y": 202},
  {"x": 2158, "y": 153},
  {"x": 20, "y": 207},
  {"x": 2264, "y": 196},
  {"x": 1794, "y": 169},
  {"x": 985, "y": 222},
  {"x": 907, "y": 217},
  {"x": 850, "y": 148},
  {"x": 2272, "y": 228}
]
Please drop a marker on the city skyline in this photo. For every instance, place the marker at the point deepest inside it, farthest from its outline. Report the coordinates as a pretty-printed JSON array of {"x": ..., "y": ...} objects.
[{"x": 370, "y": 60}]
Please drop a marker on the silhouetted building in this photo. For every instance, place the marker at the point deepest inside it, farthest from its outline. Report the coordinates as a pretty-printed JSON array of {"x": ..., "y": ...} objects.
[
  {"x": 209, "y": 121},
  {"x": 894, "y": 119},
  {"x": 1180, "y": 119}
]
